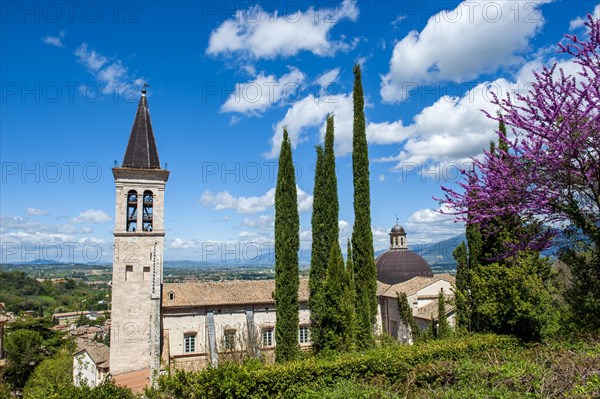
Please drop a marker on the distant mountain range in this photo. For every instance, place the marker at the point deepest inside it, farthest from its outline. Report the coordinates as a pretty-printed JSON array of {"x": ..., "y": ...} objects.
[{"x": 438, "y": 255}]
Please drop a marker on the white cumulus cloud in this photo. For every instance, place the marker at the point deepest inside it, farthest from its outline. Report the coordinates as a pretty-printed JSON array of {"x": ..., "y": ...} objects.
[
  {"x": 110, "y": 73},
  {"x": 430, "y": 225},
  {"x": 311, "y": 112},
  {"x": 91, "y": 216},
  {"x": 461, "y": 44},
  {"x": 580, "y": 21},
  {"x": 258, "y": 95},
  {"x": 224, "y": 200},
  {"x": 258, "y": 33},
  {"x": 55, "y": 41},
  {"x": 35, "y": 211}
]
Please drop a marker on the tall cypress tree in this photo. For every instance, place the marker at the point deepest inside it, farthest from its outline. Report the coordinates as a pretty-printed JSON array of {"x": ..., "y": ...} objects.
[
  {"x": 338, "y": 316},
  {"x": 462, "y": 294},
  {"x": 330, "y": 193},
  {"x": 443, "y": 327},
  {"x": 325, "y": 228},
  {"x": 318, "y": 255},
  {"x": 287, "y": 244},
  {"x": 407, "y": 318},
  {"x": 365, "y": 273}
]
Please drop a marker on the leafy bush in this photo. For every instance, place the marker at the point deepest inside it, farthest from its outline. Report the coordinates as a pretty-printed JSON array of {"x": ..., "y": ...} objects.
[
  {"x": 390, "y": 364},
  {"x": 108, "y": 390}
]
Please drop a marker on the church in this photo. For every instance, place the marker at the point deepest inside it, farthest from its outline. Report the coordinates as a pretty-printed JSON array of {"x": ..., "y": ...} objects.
[{"x": 156, "y": 326}]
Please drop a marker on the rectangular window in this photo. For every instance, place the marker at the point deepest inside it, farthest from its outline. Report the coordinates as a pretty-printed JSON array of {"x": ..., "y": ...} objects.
[
  {"x": 229, "y": 340},
  {"x": 267, "y": 337},
  {"x": 304, "y": 335},
  {"x": 146, "y": 273},
  {"x": 189, "y": 343},
  {"x": 128, "y": 272}
]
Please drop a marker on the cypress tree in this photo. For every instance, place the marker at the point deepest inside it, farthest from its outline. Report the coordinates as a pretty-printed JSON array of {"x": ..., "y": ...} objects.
[
  {"x": 338, "y": 315},
  {"x": 318, "y": 256},
  {"x": 432, "y": 333},
  {"x": 407, "y": 318},
  {"x": 443, "y": 326},
  {"x": 365, "y": 273},
  {"x": 287, "y": 244},
  {"x": 324, "y": 227},
  {"x": 330, "y": 193},
  {"x": 350, "y": 271},
  {"x": 462, "y": 296}
]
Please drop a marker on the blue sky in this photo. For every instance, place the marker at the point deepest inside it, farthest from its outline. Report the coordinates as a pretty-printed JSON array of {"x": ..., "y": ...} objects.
[{"x": 224, "y": 78}]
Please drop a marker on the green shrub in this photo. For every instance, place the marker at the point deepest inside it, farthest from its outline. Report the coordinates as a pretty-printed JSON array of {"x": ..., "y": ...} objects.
[{"x": 389, "y": 364}]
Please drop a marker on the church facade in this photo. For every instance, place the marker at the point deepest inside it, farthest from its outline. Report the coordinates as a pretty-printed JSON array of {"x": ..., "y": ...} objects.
[{"x": 156, "y": 326}]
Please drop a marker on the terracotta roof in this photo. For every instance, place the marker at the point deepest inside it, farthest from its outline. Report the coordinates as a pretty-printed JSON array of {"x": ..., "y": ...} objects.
[
  {"x": 141, "y": 150},
  {"x": 135, "y": 380},
  {"x": 431, "y": 309},
  {"x": 99, "y": 352},
  {"x": 382, "y": 288},
  {"x": 410, "y": 287},
  {"x": 80, "y": 312},
  {"x": 446, "y": 277},
  {"x": 397, "y": 265},
  {"x": 225, "y": 293}
]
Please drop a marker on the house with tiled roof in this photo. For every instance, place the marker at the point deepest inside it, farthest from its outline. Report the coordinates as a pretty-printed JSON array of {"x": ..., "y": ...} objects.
[
  {"x": 157, "y": 326},
  {"x": 90, "y": 363}
]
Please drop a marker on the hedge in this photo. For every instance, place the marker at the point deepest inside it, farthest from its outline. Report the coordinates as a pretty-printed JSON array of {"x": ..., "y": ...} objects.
[{"x": 289, "y": 380}]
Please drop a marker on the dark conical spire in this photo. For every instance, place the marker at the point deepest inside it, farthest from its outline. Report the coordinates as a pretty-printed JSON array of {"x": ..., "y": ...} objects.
[{"x": 141, "y": 150}]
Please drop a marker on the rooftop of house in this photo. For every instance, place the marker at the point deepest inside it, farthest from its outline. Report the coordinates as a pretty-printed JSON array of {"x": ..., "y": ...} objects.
[
  {"x": 414, "y": 285},
  {"x": 222, "y": 293},
  {"x": 430, "y": 310},
  {"x": 99, "y": 352},
  {"x": 238, "y": 292}
]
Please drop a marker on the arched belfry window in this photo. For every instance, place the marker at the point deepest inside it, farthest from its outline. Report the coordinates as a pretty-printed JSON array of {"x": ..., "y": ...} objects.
[
  {"x": 132, "y": 210},
  {"x": 148, "y": 209}
]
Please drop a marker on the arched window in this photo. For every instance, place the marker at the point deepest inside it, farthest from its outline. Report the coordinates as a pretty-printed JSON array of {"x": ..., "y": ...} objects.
[
  {"x": 132, "y": 210},
  {"x": 148, "y": 209},
  {"x": 171, "y": 295}
]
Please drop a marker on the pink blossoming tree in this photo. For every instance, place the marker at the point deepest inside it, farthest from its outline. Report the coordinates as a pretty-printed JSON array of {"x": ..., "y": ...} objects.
[{"x": 550, "y": 175}]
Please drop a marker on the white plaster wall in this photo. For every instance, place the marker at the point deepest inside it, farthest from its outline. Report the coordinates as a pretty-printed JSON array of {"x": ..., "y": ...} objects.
[
  {"x": 182, "y": 324},
  {"x": 226, "y": 318},
  {"x": 84, "y": 370},
  {"x": 434, "y": 289}
]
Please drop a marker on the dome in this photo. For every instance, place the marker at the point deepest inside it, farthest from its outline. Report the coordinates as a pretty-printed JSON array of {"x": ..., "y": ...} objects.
[
  {"x": 398, "y": 229},
  {"x": 397, "y": 265}
]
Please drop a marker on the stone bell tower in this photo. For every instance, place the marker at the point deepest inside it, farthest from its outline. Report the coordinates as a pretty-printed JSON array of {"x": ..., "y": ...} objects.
[
  {"x": 398, "y": 237},
  {"x": 138, "y": 252}
]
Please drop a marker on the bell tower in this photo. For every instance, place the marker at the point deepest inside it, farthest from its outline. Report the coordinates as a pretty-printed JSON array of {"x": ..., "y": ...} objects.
[
  {"x": 138, "y": 252},
  {"x": 398, "y": 237}
]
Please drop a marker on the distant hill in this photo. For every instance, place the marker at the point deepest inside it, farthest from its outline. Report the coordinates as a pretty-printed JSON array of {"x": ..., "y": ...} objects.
[
  {"x": 184, "y": 264},
  {"x": 39, "y": 262},
  {"x": 439, "y": 254}
]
